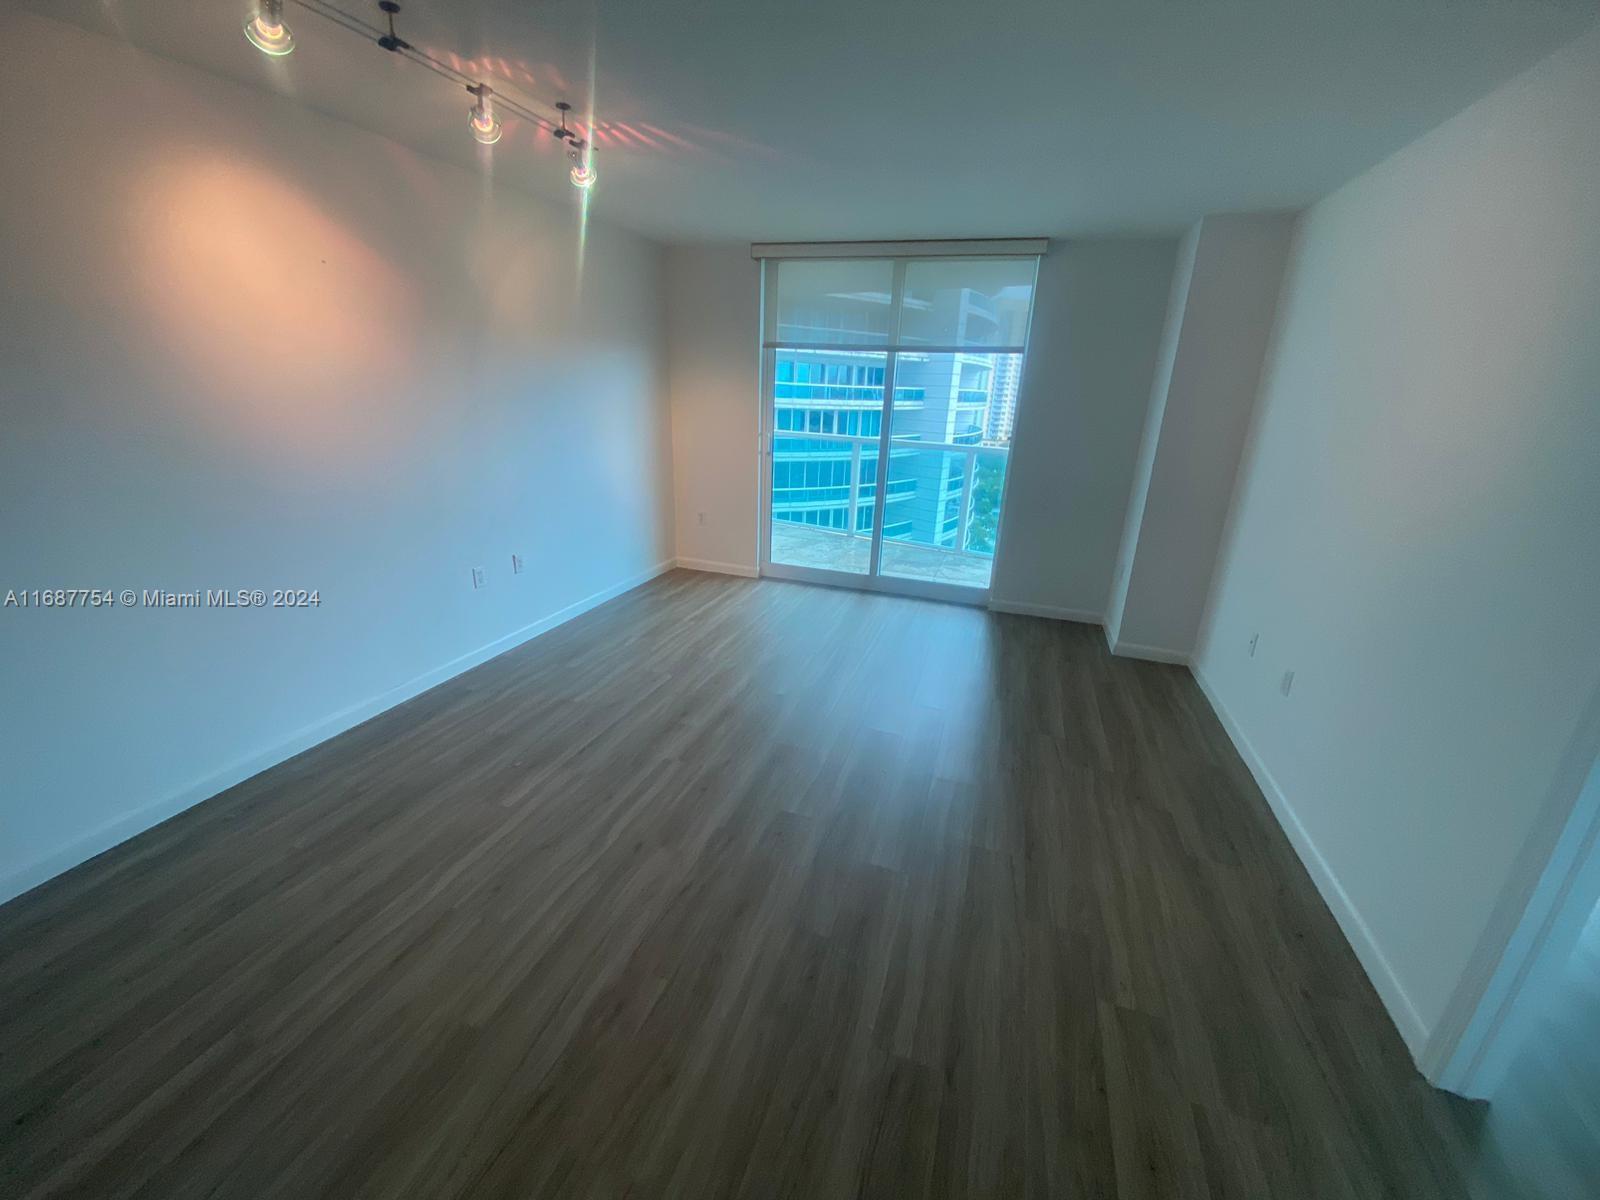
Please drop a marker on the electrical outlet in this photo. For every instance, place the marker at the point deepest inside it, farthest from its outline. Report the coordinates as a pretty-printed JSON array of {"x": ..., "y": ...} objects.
[
  {"x": 1288, "y": 682},
  {"x": 516, "y": 564},
  {"x": 1254, "y": 638},
  {"x": 478, "y": 578},
  {"x": 702, "y": 518}
]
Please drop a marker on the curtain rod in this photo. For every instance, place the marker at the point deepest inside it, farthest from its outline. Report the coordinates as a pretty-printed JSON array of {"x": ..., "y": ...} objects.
[{"x": 936, "y": 248}]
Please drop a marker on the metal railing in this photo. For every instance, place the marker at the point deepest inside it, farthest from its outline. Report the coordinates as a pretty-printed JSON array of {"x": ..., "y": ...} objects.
[{"x": 852, "y": 492}]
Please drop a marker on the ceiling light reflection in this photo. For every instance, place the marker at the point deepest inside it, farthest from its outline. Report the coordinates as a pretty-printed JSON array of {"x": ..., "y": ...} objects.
[{"x": 266, "y": 30}]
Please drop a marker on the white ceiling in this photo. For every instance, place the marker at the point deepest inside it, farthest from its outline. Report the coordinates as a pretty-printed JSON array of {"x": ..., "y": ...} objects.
[{"x": 831, "y": 119}]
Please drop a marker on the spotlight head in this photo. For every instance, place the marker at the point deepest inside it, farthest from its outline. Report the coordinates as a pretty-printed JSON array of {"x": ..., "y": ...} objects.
[
  {"x": 485, "y": 128},
  {"x": 267, "y": 32},
  {"x": 480, "y": 117},
  {"x": 583, "y": 172}
]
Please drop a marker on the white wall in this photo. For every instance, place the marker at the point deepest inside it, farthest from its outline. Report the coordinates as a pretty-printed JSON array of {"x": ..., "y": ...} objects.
[
  {"x": 1150, "y": 435},
  {"x": 1416, "y": 531},
  {"x": 713, "y": 296},
  {"x": 1097, "y": 324},
  {"x": 1218, "y": 323},
  {"x": 242, "y": 345}
]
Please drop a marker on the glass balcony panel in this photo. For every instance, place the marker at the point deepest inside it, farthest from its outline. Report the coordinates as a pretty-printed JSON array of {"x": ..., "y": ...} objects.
[
  {"x": 924, "y": 518},
  {"x": 983, "y": 512}
]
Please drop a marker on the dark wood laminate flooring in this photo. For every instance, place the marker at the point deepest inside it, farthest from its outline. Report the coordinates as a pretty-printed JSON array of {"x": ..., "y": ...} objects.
[{"x": 728, "y": 888}]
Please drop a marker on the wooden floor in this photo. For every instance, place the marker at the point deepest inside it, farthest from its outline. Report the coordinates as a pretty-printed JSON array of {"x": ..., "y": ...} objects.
[{"x": 728, "y": 888}]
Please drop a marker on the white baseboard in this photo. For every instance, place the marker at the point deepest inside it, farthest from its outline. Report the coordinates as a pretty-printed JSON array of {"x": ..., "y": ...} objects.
[
  {"x": 1404, "y": 1014},
  {"x": 119, "y": 830},
  {"x": 719, "y": 568},
  {"x": 1082, "y": 616},
  {"x": 1158, "y": 654}
]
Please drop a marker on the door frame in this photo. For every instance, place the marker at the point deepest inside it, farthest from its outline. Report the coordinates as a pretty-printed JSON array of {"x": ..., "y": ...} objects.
[{"x": 1538, "y": 919}]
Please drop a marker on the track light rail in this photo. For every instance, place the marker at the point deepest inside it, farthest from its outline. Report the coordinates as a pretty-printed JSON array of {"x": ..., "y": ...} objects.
[{"x": 269, "y": 34}]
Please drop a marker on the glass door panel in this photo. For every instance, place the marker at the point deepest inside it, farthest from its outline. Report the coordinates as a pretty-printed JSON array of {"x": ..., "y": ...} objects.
[
  {"x": 826, "y": 431},
  {"x": 960, "y": 406},
  {"x": 899, "y": 372}
]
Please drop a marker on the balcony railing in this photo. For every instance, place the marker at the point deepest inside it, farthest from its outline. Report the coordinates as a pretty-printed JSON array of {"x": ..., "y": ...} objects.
[
  {"x": 919, "y": 519},
  {"x": 849, "y": 393}
]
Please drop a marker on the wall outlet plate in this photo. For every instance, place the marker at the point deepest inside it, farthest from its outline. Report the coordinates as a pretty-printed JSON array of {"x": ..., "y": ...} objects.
[
  {"x": 478, "y": 579},
  {"x": 1254, "y": 638},
  {"x": 1288, "y": 682},
  {"x": 516, "y": 564}
]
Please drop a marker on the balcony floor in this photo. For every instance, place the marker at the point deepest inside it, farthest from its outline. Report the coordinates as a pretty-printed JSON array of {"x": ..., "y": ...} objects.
[{"x": 828, "y": 550}]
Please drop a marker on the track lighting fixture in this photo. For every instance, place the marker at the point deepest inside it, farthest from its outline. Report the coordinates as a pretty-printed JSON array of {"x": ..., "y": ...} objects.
[
  {"x": 391, "y": 41},
  {"x": 266, "y": 30},
  {"x": 484, "y": 127},
  {"x": 561, "y": 133},
  {"x": 582, "y": 173},
  {"x": 270, "y": 35}
]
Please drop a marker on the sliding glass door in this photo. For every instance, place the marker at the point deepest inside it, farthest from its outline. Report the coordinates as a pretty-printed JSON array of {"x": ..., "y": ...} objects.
[{"x": 899, "y": 370}]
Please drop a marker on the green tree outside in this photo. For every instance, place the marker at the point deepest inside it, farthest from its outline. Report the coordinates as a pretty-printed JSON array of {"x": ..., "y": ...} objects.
[{"x": 988, "y": 478}]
